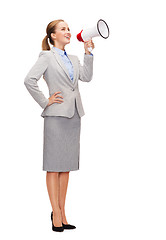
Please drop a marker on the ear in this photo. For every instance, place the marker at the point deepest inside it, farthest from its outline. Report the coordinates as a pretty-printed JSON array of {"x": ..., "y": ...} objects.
[{"x": 53, "y": 36}]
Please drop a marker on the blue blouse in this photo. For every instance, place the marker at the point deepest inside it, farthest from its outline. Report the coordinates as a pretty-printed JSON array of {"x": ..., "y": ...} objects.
[{"x": 66, "y": 61}]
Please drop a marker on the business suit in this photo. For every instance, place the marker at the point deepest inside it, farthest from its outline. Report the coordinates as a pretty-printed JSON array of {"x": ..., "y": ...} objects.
[
  {"x": 62, "y": 121},
  {"x": 57, "y": 78}
]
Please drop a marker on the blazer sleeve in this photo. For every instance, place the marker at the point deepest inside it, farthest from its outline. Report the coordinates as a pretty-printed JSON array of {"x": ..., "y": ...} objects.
[
  {"x": 34, "y": 75},
  {"x": 86, "y": 71}
]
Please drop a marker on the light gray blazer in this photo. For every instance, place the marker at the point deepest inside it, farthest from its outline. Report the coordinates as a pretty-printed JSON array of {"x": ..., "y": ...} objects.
[{"x": 52, "y": 67}]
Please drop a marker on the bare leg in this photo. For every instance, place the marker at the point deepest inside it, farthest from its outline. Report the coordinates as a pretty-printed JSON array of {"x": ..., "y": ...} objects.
[
  {"x": 63, "y": 184},
  {"x": 52, "y": 180}
]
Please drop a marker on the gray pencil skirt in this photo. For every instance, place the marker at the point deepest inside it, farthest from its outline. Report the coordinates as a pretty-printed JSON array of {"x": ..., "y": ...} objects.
[{"x": 61, "y": 143}]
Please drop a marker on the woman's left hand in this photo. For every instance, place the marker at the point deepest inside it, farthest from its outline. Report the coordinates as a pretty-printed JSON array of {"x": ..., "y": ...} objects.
[{"x": 88, "y": 44}]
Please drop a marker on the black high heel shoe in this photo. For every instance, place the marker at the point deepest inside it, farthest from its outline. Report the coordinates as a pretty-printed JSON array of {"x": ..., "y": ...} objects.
[
  {"x": 68, "y": 226},
  {"x": 65, "y": 226},
  {"x": 56, "y": 229}
]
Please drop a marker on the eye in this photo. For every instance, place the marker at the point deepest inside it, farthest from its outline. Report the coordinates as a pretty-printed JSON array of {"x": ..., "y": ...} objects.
[{"x": 64, "y": 29}]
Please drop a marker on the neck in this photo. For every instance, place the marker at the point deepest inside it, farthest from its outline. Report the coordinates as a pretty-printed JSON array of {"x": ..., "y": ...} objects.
[{"x": 60, "y": 46}]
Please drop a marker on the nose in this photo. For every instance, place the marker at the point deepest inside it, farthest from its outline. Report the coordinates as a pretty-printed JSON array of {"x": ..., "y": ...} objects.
[{"x": 68, "y": 32}]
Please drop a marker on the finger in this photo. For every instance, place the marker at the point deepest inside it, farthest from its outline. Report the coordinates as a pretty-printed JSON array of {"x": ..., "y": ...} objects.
[
  {"x": 58, "y": 101},
  {"x": 58, "y": 96},
  {"x": 88, "y": 41},
  {"x": 56, "y": 93}
]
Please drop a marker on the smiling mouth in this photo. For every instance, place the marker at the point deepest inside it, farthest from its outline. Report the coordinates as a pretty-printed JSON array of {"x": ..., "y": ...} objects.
[{"x": 67, "y": 37}]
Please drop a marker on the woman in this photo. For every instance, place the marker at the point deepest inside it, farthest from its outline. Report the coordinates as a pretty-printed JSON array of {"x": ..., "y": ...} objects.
[{"x": 62, "y": 112}]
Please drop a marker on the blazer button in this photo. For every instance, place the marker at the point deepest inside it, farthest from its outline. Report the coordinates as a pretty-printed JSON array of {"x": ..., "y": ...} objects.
[{"x": 72, "y": 89}]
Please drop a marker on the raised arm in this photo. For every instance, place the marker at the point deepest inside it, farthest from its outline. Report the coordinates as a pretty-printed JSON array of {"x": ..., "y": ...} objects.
[{"x": 86, "y": 71}]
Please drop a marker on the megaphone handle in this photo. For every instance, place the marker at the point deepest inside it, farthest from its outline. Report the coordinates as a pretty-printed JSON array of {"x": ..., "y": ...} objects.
[{"x": 90, "y": 49}]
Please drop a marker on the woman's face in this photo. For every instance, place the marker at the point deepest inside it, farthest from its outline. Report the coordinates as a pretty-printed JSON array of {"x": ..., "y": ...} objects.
[{"x": 62, "y": 34}]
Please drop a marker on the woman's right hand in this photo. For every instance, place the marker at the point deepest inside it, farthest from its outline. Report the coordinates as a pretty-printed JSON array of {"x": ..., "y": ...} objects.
[{"x": 54, "y": 98}]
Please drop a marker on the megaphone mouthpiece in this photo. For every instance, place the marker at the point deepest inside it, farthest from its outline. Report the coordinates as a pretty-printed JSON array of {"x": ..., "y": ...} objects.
[{"x": 79, "y": 36}]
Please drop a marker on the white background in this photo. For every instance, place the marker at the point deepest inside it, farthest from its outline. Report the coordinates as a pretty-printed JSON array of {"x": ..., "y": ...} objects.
[{"x": 119, "y": 191}]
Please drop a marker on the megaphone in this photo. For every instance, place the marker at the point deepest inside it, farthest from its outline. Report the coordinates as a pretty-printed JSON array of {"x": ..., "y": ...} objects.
[{"x": 101, "y": 29}]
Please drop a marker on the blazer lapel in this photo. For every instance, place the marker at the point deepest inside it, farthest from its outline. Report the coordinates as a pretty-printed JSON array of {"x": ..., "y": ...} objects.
[{"x": 61, "y": 63}]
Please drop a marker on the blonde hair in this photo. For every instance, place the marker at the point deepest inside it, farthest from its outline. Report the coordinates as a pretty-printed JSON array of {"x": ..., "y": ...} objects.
[{"x": 51, "y": 28}]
